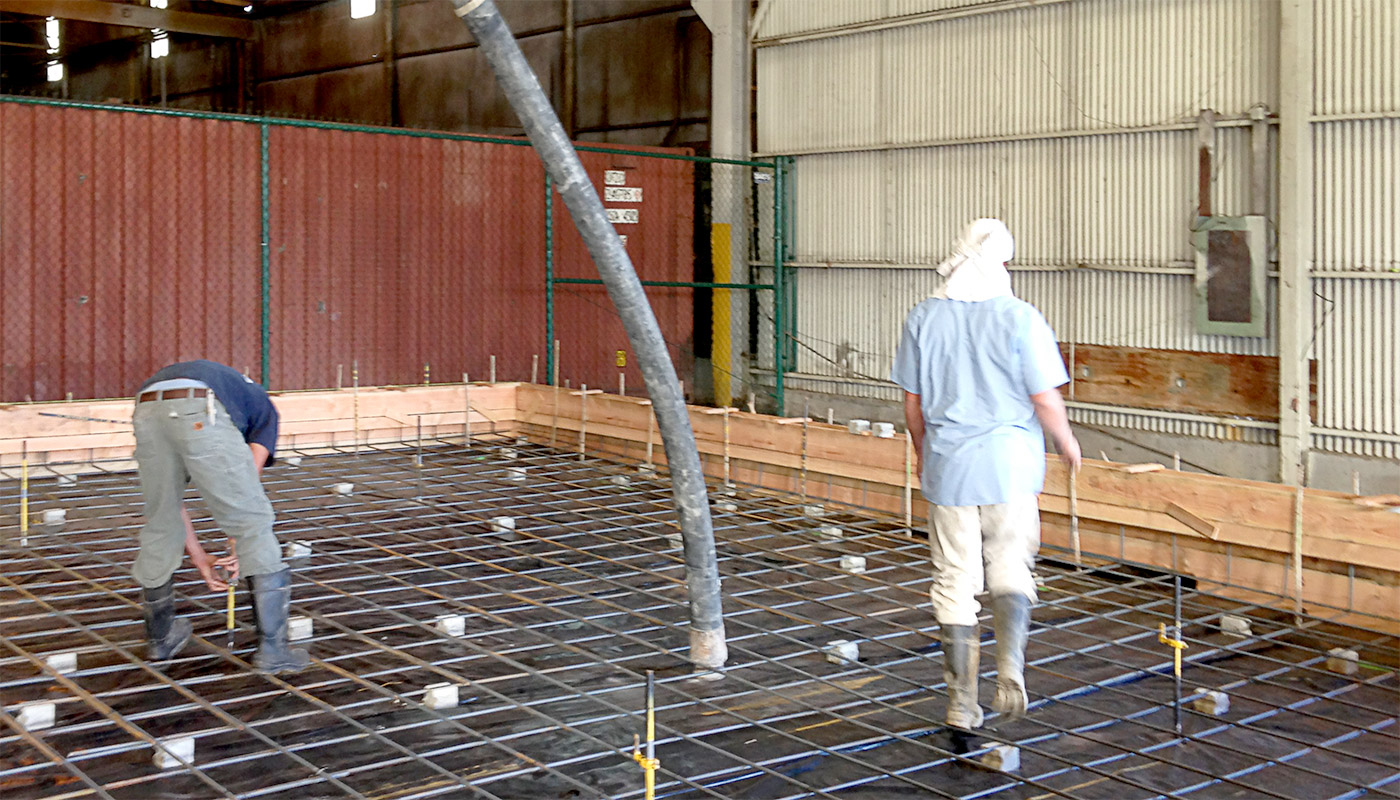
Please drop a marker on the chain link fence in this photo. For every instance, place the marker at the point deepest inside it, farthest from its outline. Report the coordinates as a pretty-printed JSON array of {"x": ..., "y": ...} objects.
[{"x": 314, "y": 255}]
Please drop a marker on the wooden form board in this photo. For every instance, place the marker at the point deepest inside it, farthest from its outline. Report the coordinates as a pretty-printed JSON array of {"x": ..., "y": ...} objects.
[
  {"x": 1226, "y": 531},
  {"x": 308, "y": 419}
]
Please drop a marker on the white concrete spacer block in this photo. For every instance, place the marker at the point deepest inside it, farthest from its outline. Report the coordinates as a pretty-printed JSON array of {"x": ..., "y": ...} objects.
[
  {"x": 853, "y": 564},
  {"x": 299, "y": 628},
  {"x": 67, "y": 480},
  {"x": 842, "y": 651},
  {"x": 726, "y": 505},
  {"x": 502, "y": 524},
  {"x": 63, "y": 663},
  {"x": 674, "y": 541},
  {"x": 1235, "y": 626},
  {"x": 55, "y": 516},
  {"x": 1210, "y": 702},
  {"x": 883, "y": 430},
  {"x": 858, "y": 426},
  {"x": 509, "y": 453},
  {"x": 646, "y": 471},
  {"x": 1003, "y": 758},
  {"x": 298, "y": 549},
  {"x": 521, "y": 441},
  {"x": 440, "y": 695},
  {"x": 169, "y": 751},
  {"x": 452, "y": 624},
  {"x": 35, "y": 716},
  {"x": 1342, "y": 661},
  {"x": 292, "y": 461},
  {"x": 830, "y": 533},
  {"x": 343, "y": 488},
  {"x": 816, "y": 510},
  {"x": 620, "y": 480},
  {"x": 515, "y": 474}
]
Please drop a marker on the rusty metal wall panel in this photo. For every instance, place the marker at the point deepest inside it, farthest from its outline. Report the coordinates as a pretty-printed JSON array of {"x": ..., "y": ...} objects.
[
  {"x": 661, "y": 245},
  {"x": 127, "y": 240}
]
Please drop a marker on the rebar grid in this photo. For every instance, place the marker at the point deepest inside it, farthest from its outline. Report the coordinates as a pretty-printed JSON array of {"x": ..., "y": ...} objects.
[{"x": 567, "y": 613}]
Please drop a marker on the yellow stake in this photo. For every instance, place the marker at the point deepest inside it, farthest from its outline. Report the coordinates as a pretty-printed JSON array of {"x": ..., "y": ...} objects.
[
  {"x": 24, "y": 495},
  {"x": 1176, "y": 644},
  {"x": 230, "y": 607}
]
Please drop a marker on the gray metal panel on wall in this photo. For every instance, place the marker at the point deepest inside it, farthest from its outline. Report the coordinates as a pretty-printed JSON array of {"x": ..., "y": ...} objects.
[
  {"x": 1357, "y": 56},
  {"x": 1357, "y": 188},
  {"x": 1358, "y": 355},
  {"x": 1095, "y": 65}
]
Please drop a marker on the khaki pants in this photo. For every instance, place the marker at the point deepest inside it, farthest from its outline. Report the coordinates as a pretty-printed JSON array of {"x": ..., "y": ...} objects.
[
  {"x": 177, "y": 442},
  {"x": 969, "y": 542}
]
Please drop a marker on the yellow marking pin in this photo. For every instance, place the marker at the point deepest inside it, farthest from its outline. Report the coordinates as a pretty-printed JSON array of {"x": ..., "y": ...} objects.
[{"x": 622, "y": 358}]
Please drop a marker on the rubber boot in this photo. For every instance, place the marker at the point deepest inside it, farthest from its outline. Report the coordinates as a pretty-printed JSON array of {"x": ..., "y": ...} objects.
[
  {"x": 960, "y": 664},
  {"x": 272, "y": 596},
  {"x": 166, "y": 633},
  {"x": 1011, "y": 617}
]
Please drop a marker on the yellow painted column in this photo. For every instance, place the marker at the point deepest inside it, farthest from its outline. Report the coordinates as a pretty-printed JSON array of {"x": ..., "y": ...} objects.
[{"x": 720, "y": 350}]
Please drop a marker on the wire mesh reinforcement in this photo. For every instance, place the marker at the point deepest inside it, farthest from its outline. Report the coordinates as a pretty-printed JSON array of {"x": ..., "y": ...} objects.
[{"x": 564, "y": 613}]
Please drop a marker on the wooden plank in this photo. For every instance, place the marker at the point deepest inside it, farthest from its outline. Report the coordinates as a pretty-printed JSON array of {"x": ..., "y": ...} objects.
[
  {"x": 1220, "y": 384},
  {"x": 1202, "y": 526}
]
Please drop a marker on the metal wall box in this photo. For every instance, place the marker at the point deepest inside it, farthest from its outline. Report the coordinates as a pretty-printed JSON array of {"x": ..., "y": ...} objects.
[{"x": 1231, "y": 259}]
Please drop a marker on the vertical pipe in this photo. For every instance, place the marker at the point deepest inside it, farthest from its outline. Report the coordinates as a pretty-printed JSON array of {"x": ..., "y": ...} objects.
[
  {"x": 651, "y": 735},
  {"x": 804, "y": 451},
  {"x": 535, "y": 368},
  {"x": 551, "y": 356},
  {"x": 708, "y": 648},
  {"x": 1298, "y": 554},
  {"x": 265, "y": 322},
  {"x": 909, "y": 482},
  {"x": 1259, "y": 160}
]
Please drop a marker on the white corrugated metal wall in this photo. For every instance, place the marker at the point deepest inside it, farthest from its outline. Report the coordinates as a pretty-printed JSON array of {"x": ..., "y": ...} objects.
[{"x": 1075, "y": 121}]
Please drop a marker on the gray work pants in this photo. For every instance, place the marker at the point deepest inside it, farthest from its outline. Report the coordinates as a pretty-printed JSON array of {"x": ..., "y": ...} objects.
[
  {"x": 976, "y": 547},
  {"x": 178, "y": 441}
]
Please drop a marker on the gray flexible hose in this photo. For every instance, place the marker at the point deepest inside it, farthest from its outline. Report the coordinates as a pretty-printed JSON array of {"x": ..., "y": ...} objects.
[{"x": 708, "y": 649}]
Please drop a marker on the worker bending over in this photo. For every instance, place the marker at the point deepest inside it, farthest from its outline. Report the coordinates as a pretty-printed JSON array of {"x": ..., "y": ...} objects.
[
  {"x": 207, "y": 423},
  {"x": 980, "y": 371}
]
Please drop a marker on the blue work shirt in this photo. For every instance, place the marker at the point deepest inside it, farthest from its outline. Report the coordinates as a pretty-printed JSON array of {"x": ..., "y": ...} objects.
[
  {"x": 974, "y": 367},
  {"x": 247, "y": 403}
]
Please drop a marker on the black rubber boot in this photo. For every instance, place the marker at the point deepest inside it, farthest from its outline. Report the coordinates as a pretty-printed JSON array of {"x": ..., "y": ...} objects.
[
  {"x": 961, "y": 649},
  {"x": 166, "y": 633},
  {"x": 1011, "y": 616},
  {"x": 272, "y": 596}
]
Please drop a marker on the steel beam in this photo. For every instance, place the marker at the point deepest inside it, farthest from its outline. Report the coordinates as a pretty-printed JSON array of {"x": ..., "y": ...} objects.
[{"x": 133, "y": 16}]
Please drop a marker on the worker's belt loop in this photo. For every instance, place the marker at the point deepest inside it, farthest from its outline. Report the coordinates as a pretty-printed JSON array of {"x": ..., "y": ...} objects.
[{"x": 209, "y": 406}]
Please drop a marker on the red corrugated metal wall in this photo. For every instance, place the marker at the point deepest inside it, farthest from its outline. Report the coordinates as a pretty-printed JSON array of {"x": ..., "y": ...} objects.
[
  {"x": 129, "y": 241},
  {"x": 661, "y": 245},
  {"x": 126, "y": 242}
]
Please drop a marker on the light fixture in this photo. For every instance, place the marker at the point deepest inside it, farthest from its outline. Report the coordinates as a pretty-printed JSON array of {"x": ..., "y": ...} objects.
[
  {"x": 51, "y": 33},
  {"x": 160, "y": 3},
  {"x": 55, "y": 71},
  {"x": 359, "y": 9},
  {"x": 160, "y": 46}
]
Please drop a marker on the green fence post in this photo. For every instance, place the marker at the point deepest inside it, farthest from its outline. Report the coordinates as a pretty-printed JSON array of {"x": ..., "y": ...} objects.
[
  {"x": 265, "y": 325},
  {"x": 548, "y": 278},
  {"x": 779, "y": 293}
]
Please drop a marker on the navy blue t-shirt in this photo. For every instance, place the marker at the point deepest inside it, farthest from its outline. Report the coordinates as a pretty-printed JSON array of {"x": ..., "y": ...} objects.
[{"x": 247, "y": 402}]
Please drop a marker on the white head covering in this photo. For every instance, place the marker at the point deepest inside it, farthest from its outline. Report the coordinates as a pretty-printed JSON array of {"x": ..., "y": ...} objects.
[{"x": 976, "y": 270}]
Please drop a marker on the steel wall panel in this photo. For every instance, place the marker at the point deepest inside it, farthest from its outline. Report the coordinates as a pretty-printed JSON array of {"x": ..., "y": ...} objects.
[
  {"x": 787, "y": 17},
  {"x": 1097, "y": 65},
  {"x": 119, "y": 236},
  {"x": 1357, "y": 200},
  {"x": 1357, "y": 56},
  {"x": 661, "y": 246}
]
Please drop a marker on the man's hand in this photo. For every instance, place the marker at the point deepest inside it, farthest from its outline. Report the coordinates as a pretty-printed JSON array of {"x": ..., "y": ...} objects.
[
  {"x": 1070, "y": 455},
  {"x": 1050, "y": 410},
  {"x": 207, "y": 571}
]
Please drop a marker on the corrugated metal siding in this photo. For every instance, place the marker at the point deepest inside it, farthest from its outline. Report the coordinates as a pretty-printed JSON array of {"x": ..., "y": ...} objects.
[
  {"x": 1358, "y": 354},
  {"x": 1110, "y": 201},
  {"x": 1357, "y": 56},
  {"x": 1357, "y": 195},
  {"x": 661, "y": 247},
  {"x": 128, "y": 242},
  {"x": 1080, "y": 66}
]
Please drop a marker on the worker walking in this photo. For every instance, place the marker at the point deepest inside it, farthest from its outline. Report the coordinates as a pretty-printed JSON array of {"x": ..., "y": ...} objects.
[
  {"x": 204, "y": 422},
  {"x": 980, "y": 371}
]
